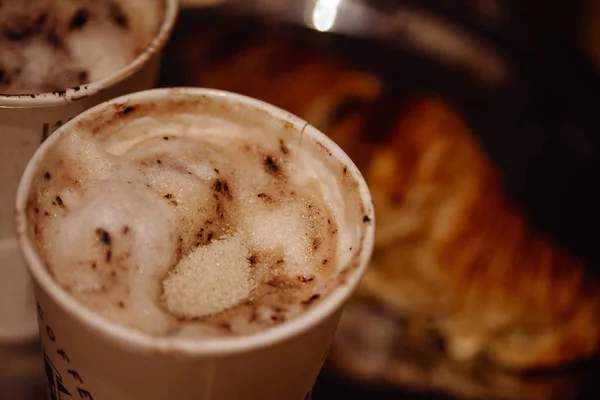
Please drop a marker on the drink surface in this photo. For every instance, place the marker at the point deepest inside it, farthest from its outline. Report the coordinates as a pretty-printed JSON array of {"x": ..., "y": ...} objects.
[
  {"x": 194, "y": 224},
  {"x": 48, "y": 45}
]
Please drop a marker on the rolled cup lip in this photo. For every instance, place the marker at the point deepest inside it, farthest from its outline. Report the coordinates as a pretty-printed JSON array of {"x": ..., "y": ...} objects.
[
  {"x": 134, "y": 339},
  {"x": 67, "y": 96}
]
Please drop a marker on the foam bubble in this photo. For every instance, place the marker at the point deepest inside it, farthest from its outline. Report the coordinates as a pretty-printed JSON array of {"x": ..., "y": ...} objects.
[
  {"x": 281, "y": 229},
  {"x": 121, "y": 211}
]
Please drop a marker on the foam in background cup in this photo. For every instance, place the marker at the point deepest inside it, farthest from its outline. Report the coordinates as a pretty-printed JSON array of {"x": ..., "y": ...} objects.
[{"x": 48, "y": 45}]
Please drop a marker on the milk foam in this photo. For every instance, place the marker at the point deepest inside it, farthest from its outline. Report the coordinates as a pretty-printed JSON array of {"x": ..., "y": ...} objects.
[
  {"x": 48, "y": 45},
  {"x": 192, "y": 225}
]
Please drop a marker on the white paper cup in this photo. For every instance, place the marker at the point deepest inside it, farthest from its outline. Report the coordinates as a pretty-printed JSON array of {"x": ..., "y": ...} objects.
[
  {"x": 91, "y": 357},
  {"x": 25, "y": 122}
]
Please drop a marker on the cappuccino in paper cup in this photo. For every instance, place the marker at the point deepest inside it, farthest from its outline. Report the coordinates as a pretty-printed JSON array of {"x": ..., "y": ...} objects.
[{"x": 191, "y": 244}]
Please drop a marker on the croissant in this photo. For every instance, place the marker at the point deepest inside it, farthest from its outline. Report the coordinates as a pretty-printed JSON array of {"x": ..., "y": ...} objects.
[{"x": 449, "y": 246}]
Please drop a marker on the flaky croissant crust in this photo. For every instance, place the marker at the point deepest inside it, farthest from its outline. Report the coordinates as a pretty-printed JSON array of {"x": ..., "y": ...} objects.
[{"x": 450, "y": 246}]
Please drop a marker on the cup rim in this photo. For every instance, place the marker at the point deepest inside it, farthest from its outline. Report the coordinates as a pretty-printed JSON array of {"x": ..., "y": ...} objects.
[
  {"x": 209, "y": 346},
  {"x": 72, "y": 94}
]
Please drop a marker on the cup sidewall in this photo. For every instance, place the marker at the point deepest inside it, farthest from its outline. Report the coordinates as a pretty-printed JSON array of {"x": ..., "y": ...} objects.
[{"x": 86, "y": 364}]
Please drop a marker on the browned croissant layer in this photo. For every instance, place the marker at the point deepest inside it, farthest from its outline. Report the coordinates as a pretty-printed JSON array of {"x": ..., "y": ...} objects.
[{"x": 449, "y": 246}]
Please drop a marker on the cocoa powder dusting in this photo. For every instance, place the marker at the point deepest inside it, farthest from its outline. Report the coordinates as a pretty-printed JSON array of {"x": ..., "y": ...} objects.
[
  {"x": 103, "y": 236},
  {"x": 311, "y": 300},
  {"x": 270, "y": 165},
  {"x": 79, "y": 19}
]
